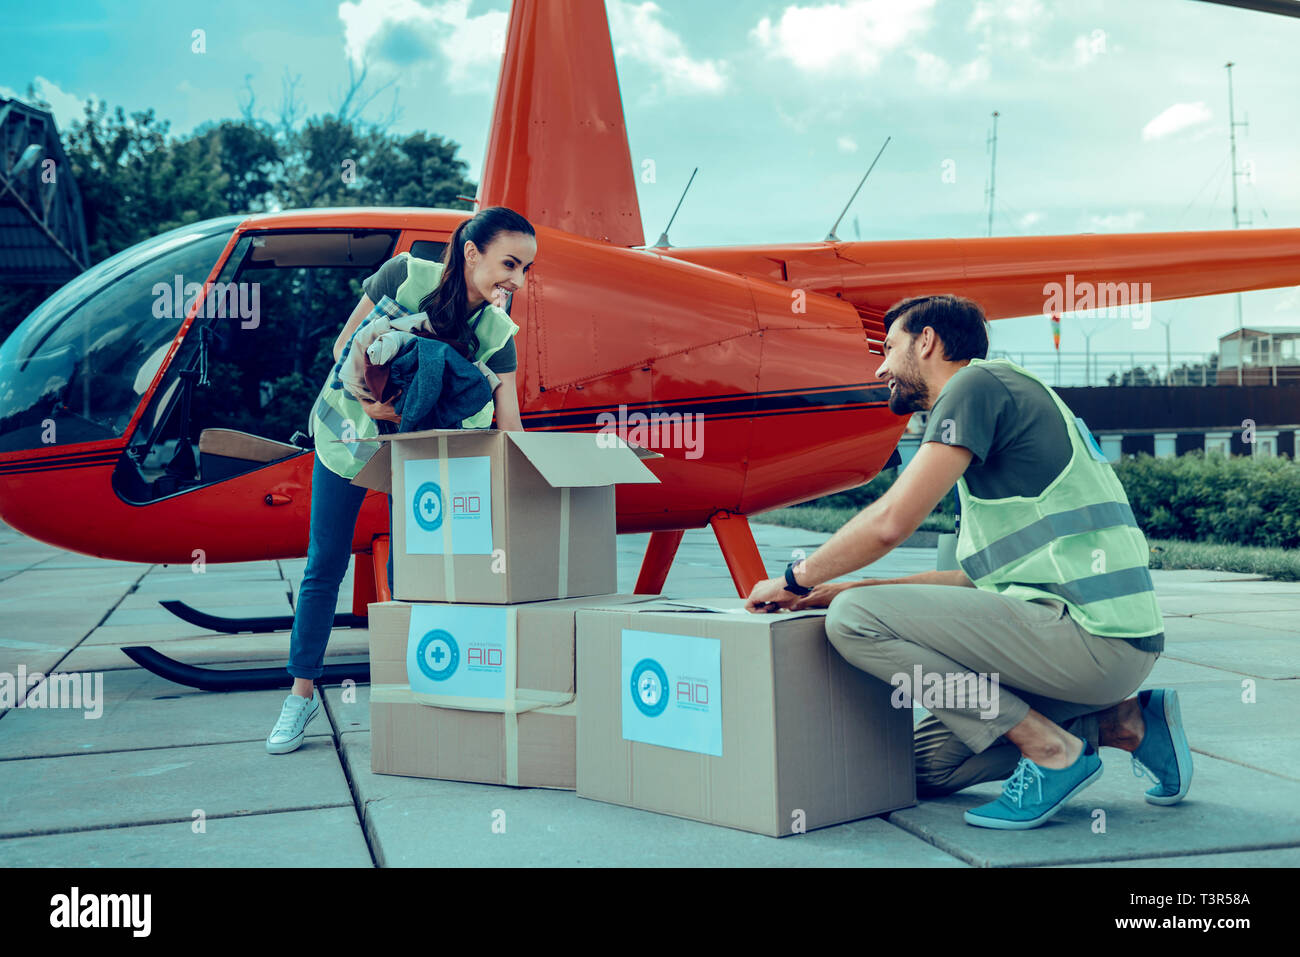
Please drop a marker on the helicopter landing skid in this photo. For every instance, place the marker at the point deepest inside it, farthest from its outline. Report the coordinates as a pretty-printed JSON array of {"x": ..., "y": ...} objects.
[
  {"x": 238, "y": 679},
  {"x": 234, "y": 626}
]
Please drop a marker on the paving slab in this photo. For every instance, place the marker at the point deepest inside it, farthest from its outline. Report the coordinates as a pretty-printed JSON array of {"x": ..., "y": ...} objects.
[
  {"x": 1281, "y": 857},
  {"x": 212, "y": 596},
  {"x": 1251, "y": 657},
  {"x": 1161, "y": 575},
  {"x": 157, "y": 615},
  {"x": 1257, "y": 726},
  {"x": 266, "y": 568},
  {"x": 429, "y": 823},
  {"x": 141, "y": 710},
  {"x": 1169, "y": 671},
  {"x": 348, "y": 708},
  {"x": 31, "y": 659},
  {"x": 259, "y": 649},
  {"x": 1180, "y": 628},
  {"x": 251, "y": 840},
  {"x": 118, "y": 635},
  {"x": 1287, "y": 621},
  {"x": 119, "y": 788},
  {"x": 1217, "y": 599},
  {"x": 67, "y": 584},
  {"x": 1229, "y": 808}
]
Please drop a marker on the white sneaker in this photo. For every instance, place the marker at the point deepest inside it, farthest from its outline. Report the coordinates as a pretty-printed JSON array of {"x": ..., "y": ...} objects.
[{"x": 289, "y": 731}]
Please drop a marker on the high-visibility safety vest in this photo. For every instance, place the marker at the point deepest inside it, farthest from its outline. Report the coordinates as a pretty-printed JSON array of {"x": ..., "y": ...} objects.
[
  {"x": 1077, "y": 542},
  {"x": 338, "y": 415}
]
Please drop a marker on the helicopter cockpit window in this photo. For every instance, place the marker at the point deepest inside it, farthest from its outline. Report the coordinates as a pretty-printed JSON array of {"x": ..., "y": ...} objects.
[
  {"x": 248, "y": 372},
  {"x": 72, "y": 371}
]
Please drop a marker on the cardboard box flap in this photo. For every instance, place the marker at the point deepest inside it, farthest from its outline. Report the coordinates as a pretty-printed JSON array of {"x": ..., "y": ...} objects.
[
  {"x": 378, "y": 472},
  {"x": 576, "y": 460}
]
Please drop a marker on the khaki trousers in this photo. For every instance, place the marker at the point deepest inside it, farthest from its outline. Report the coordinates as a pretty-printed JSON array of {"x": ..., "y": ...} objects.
[{"x": 1040, "y": 656}]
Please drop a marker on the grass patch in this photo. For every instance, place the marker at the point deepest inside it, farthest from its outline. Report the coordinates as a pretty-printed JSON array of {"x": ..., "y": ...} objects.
[{"x": 1278, "y": 563}]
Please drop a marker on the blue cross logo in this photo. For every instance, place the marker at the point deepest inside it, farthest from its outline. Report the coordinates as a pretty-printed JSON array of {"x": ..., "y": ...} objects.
[
  {"x": 649, "y": 687},
  {"x": 427, "y": 506},
  {"x": 435, "y": 648}
]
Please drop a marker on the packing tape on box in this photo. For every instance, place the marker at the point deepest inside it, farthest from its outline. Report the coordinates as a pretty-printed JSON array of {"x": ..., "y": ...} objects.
[
  {"x": 563, "y": 560},
  {"x": 448, "y": 564},
  {"x": 525, "y": 701}
]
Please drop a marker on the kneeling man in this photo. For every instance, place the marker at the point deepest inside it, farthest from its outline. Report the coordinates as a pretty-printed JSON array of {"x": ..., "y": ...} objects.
[{"x": 1057, "y": 618}]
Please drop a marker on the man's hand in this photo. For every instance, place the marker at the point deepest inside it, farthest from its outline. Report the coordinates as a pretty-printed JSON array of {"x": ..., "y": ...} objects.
[
  {"x": 769, "y": 595},
  {"x": 381, "y": 410},
  {"x": 824, "y": 594}
]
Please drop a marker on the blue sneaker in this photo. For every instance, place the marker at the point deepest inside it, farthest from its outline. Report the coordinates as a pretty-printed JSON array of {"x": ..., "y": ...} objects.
[
  {"x": 1163, "y": 754},
  {"x": 1034, "y": 794}
]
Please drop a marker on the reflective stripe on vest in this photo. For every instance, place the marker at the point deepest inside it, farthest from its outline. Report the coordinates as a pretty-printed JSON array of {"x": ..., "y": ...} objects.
[
  {"x": 335, "y": 407},
  {"x": 1077, "y": 541},
  {"x": 1043, "y": 532}
]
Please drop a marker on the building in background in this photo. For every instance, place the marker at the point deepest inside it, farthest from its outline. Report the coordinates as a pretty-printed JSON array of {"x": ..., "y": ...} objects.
[{"x": 1272, "y": 356}]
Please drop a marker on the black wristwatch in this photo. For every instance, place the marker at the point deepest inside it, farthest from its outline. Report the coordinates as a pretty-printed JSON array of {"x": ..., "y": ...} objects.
[{"x": 791, "y": 585}]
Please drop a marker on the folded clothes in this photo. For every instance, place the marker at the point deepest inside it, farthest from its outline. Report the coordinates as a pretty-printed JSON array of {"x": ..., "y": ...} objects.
[
  {"x": 439, "y": 388},
  {"x": 391, "y": 331}
]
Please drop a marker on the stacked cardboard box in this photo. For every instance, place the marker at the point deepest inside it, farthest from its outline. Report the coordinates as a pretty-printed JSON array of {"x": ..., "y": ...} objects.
[
  {"x": 498, "y": 539},
  {"x": 750, "y": 721}
]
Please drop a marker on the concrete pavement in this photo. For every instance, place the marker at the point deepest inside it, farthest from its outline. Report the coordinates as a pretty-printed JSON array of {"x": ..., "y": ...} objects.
[{"x": 169, "y": 776}]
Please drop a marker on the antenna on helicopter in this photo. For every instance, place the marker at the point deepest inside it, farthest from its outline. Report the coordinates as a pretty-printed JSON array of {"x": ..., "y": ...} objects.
[
  {"x": 831, "y": 237},
  {"x": 663, "y": 237}
]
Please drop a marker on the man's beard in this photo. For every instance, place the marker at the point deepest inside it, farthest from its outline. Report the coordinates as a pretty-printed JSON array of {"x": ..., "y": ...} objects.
[{"x": 909, "y": 396}]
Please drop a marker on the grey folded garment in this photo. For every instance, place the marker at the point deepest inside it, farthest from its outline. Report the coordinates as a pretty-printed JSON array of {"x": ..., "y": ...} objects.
[{"x": 440, "y": 387}]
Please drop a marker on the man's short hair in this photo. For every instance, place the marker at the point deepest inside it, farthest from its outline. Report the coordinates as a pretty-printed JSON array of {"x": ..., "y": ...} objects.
[{"x": 959, "y": 323}]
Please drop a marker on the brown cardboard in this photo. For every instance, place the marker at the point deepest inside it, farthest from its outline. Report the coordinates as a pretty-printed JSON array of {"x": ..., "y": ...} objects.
[
  {"x": 552, "y": 514},
  {"x": 419, "y": 740},
  {"x": 802, "y": 730}
]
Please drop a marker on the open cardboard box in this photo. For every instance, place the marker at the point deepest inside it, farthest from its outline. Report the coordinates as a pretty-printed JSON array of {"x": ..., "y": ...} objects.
[{"x": 486, "y": 516}]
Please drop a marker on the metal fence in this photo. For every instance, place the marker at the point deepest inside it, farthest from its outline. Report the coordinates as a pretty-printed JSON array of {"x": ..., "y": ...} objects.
[{"x": 1072, "y": 369}]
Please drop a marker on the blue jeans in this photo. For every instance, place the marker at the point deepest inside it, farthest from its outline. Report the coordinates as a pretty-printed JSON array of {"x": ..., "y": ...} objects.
[{"x": 335, "y": 504}]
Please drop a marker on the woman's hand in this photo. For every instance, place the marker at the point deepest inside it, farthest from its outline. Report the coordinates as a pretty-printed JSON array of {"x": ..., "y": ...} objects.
[{"x": 382, "y": 410}]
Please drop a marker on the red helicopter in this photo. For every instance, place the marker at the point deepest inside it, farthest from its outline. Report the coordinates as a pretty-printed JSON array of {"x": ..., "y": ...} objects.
[{"x": 772, "y": 349}]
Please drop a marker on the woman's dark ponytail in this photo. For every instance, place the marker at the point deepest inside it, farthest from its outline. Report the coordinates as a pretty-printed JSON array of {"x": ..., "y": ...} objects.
[{"x": 446, "y": 305}]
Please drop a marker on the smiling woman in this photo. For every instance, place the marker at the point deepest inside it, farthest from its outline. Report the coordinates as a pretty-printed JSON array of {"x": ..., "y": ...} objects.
[{"x": 464, "y": 298}]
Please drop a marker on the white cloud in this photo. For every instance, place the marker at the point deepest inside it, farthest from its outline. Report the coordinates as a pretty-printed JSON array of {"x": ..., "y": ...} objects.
[
  {"x": 639, "y": 34},
  {"x": 1029, "y": 220},
  {"x": 855, "y": 35},
  {"x": 934, "y": 71},
  {"x": 1116, "y": 222},
  {"x": 65, "y": 106},
  {"x": 1180, "y": 116},
  {"x": 1008, "y": 23},
  {"x": 394, "y": 33},
  {"x": 847, "y": 144},
  {"x": 1089, "y": 46}
]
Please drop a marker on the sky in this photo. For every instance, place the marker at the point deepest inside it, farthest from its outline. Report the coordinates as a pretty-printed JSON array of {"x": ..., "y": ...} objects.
[{"x": 1113, "y": 113}]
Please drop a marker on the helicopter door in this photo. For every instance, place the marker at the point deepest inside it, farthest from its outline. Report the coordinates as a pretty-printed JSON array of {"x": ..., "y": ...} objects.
[{"x": 248, "y": 371}]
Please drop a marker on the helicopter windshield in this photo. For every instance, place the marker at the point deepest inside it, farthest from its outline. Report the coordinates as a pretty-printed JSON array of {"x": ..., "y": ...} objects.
[{"x": 76, "y": 368}]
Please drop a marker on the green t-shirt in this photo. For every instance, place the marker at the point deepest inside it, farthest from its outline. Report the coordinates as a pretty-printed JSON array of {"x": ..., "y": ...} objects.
[
  {"x": 1013, "y": 429},
  {"x": 392, "y": 274}
]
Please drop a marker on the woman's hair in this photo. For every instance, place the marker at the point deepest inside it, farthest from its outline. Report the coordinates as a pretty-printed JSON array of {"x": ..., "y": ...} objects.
[{"x": 446, "y": 305}]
